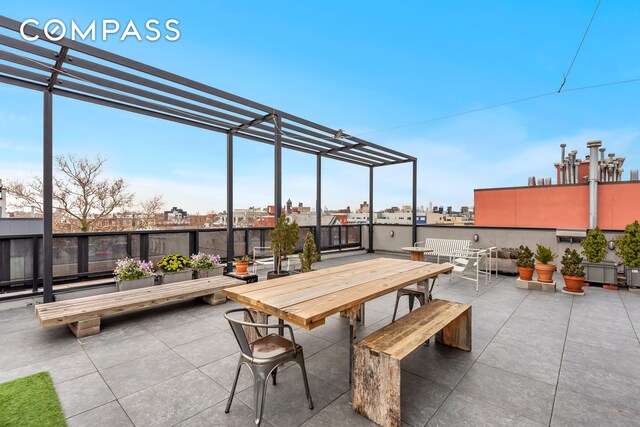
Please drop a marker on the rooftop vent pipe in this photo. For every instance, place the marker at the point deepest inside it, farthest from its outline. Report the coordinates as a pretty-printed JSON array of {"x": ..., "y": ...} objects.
[{"x": 593, "y": 182}]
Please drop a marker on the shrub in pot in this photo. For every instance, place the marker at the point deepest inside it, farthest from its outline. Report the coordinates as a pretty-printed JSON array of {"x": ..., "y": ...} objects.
[
  {"x": 594, "y": 248},
  {"x": 544, "y": 267},
  {"x": 242, "y": 265},
  {"x": 175, "y": 268},
  {"x": 206, "y": 265},
  {"x": 572, "y": 271},
  {"x": 284, "y": 237},
  {"x": 309, "y": 253},
  {"x": 525, "y": 262},
  {"x": 628, "y": 249},
  {"x": 133, "y": 274}
]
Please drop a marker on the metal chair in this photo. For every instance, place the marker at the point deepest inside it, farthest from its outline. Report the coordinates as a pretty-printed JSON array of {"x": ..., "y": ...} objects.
[
  {"x": 263, "y": 356},
  {"x": 416, "y": 291}
]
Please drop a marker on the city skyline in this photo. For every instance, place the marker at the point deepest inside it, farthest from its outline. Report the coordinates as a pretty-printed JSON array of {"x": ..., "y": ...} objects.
[{"x": 369, "y": 82}]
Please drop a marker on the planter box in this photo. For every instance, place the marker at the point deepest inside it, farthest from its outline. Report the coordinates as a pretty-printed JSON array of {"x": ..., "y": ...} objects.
[
  {"x": 126, "y": 285},
  {"x": 601, "y": 272},
  {"x": 179, "y": 276},
  {"x": 633, "y": 276},
  {"x": 201, "y": 274}
]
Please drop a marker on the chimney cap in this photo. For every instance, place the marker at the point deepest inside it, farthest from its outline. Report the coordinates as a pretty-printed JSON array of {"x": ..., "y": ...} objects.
[
  {"x": 595, "y": 143},
  {"x": 563, "y": 145}
]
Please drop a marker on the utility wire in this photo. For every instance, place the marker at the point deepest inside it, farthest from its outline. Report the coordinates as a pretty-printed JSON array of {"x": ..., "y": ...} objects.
[{"x": 584, "y": 36}]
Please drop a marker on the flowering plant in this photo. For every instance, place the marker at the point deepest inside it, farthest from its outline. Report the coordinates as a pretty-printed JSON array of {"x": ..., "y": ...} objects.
[
  {"x": 131, "y": 269},
  {"x": 174, "y": 263},
  {"x": 202, "y": 261}
]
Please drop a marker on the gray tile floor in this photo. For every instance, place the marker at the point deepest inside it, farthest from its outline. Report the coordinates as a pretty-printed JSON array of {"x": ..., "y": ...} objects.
[{"x": 537, "y": 359}]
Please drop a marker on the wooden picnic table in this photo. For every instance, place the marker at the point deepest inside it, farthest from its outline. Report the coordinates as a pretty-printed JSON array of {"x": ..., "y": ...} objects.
[
  {"x": 417, "y": 252},
  {"x": 306, "y": 300}
]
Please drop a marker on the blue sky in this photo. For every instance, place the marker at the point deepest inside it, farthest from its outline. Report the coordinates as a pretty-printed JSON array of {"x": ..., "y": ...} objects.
[{"x": 364, "y": 67}]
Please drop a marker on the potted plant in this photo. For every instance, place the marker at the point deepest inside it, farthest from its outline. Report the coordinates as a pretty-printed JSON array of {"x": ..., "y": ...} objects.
[
  {"x": 628, "y": 249},
  {"x": 206, "y": 265},
  {"x": 284, "y": 237},
  {"x": 133, "y": 274},
  {"x": 309, "y": 253},
  {"x": 525, "y": 263},
  {"x": 175, "y": 268},
  {"x": 242, "y": 265},
  {"x": 572, "y": 271},
  {"x": 594, "y": 248},
  {"x": 544, "y": 267}
]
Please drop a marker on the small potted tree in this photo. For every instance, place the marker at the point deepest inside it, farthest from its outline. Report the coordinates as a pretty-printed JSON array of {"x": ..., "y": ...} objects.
[
  {"x": 175, "y": 268},
  {"x": 525, "y": 263},
  {"x": 597, "y": 270},
  {"x": 206, "y": 265},
  {"x": 572, "y": 271},
  {"x": 544, "y": 267},
  {"x": 133, "y": 274},
  {"x": 242, "y": 265},
  {"x": 309, "y": 253},
  {"x": 628, "y": 249},
  {"x": 284, "y": 237}
]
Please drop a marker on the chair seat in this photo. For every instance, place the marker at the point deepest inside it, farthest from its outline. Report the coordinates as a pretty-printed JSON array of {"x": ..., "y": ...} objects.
[{"x": 270, "y": 346}]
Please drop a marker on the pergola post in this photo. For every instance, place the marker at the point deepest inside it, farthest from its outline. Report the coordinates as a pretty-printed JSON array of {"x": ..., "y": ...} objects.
[
  {"x": 277, "y": 182},
  {"x": 370, "y": 250},
  {"x": 319, "y": 201},
  {"x": 230, "y": 239},
  {"x": 414, "y": 201},
  {"x": 47, "y": 196}
]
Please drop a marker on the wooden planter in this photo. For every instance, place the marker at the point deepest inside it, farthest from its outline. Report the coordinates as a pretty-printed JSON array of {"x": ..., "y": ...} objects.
[
  {"x": 179, "y": 276},
  {"x": 526, "y": 273},
  {"x": 126, "y": 285},
  {"x": 545, "y": 272},
  {"x": 601, "y": 272},
  {"x": 211, "y": 272}
]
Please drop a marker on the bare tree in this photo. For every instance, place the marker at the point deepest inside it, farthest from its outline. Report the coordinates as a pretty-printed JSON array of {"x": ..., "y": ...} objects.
[
  {"x": 150, "y": 208},
  {"x": 78, "y": 191}
]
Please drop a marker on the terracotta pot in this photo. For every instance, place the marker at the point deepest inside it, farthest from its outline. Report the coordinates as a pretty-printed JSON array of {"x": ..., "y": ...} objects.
[
  {"x": 241, "y": 268},
  {"x": 545, "y": 272},
  {"x": 526, "y": 273},
  {"x": 574, "y": 284}
]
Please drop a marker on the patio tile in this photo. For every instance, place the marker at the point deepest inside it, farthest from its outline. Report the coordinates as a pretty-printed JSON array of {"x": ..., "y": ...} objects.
[
  {"x": 109, "y": 415},
  {"x": 339, "y": 409},
  {"x": 532, "y": 361},
  {"x": 601, "y": 358},
  {"x": 113, "y": 329},
  {"x": 309, "y": 342},
  {"x": 16, "y": 313},
  {"x": 144, "y": 372},
  {"x": 518, "y": 394},
  {"x": 437, "y": 363},
  {"x": 24, "y": 347},
  {"x": 615, "y": 342},
  {"x": 572, "y": 409},
  {"x": 186, "y": 332},
  {"x": 208, "y": 349},
  {"x": 223, "y": 372},
  {"x": 110, "y": 353},
  {"x": 286, "y": 403},
  {"x": 539, "y": 327},
  {"x": 84, "y": 393},
  {"x": 462, "y": 410},
  {"x": 334, "y": 330},
  {"x": 332, "y": 365},
  {"x": 240, "y": 415},
  {"x": 164, "y": 317},
  {"x": 602, "y": 326},
  {"x": 61, "y": 368},
  {"x": 21, "y": 322},
  {"x": 420, "y": 398},
  {"x": 174, "y": 400}
]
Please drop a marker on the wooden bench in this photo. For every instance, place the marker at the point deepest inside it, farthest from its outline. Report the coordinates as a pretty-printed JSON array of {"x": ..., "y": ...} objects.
[
  {"x": 82, "y": 315},
  {"x": 376, "y": 358}
]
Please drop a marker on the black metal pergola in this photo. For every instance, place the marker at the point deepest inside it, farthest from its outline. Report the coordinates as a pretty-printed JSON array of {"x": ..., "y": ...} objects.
[{"x": 79, "y": 71}]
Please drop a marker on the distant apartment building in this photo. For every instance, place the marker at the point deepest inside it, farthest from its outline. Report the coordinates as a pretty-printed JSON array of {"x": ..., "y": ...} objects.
[
  {"x": 570, "y": 202},
  {"x": 3, "y": 201}
]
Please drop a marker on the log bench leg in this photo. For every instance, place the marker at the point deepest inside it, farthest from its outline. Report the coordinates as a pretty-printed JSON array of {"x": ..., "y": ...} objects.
[
  {"x": 84, "y": 328},
  {"x": 457, "y": 333},
  {"x": 215, "y": 298},
  {"x": 375, "y": 392},
  {"x": 258, "y": 317}
]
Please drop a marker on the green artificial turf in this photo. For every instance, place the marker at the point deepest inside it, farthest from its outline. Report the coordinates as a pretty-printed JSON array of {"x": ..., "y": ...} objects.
[{"x": 30, "y": 401}]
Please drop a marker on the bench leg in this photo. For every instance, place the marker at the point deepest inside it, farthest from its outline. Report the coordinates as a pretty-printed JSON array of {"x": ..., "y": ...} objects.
[
  {"x": 375, "y": 392},
  {"x": 216, "y": 298},
  {"x": 84, "y": 328},
  {"x": 457, "y": 333}
]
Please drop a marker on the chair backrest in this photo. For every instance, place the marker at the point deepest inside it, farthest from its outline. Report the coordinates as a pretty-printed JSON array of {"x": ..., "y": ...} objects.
[
  {"x": 447, "y": 246},
  {"x": 238, "y": 330}
]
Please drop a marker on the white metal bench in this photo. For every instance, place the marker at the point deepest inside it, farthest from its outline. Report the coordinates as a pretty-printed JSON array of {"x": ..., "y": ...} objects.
[
  {"x": 445, "y": 248},
  {"x": 263, "y": 255}
]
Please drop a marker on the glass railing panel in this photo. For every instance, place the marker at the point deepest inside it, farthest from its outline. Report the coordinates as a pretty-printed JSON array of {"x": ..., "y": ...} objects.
[
  {"x": 166, "y": 244},
  {"x": 104, "y": 251}
]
